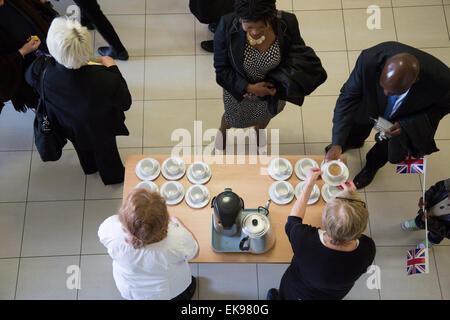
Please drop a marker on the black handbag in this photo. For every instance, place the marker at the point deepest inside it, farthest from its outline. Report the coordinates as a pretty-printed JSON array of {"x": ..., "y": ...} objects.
[{"x": 48, "y": 142}]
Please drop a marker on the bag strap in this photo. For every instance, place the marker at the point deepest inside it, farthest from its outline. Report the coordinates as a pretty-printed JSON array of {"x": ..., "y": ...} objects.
[{"x": 41, "y": 91}]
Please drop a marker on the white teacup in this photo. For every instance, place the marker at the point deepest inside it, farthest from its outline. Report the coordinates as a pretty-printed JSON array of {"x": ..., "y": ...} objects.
[
  {"x": 173, "y": 166},
  {"x": 281, "y": 167},
  {"x": 197, "y": 194},
  {"x": 333, "y": 191},
  {"x": 171, "y": 191},
  {"x": 147, "y": 167},
  {"x": 199, "y": 170},
  {"x": 335, "y": 171},
  {"x": 305, "y": 165},
  {"x": 282, "y": 190}
]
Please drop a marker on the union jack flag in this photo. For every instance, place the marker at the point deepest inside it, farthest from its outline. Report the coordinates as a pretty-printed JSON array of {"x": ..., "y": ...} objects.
[
  {"x": 410, "y": 165},
  {"x": 417, "y": 261}
]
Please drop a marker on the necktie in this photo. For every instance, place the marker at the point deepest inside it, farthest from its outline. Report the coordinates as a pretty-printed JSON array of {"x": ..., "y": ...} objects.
[{"x": 390, "y": 106}]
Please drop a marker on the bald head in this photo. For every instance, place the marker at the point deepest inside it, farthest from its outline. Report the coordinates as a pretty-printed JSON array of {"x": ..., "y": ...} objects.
[{"x": 399, "y": 74}]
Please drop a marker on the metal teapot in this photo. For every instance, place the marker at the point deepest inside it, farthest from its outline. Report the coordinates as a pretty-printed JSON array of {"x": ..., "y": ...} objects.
[{"x": 257, "y": 236}]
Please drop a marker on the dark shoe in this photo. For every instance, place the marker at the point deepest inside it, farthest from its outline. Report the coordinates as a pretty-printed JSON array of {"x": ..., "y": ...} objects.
[
  {"x": 109, "y": 51},
  {"x": 344, "y": 148},
  {"x": 212, "y": 27},
  {"x": 272, "y": 294},
  {"x": 364, "y": 178},
  {"x": 207, "y": 45}
]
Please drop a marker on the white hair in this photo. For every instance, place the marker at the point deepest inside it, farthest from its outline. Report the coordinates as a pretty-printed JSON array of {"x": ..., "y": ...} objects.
[{"x": 69, "y": 43}]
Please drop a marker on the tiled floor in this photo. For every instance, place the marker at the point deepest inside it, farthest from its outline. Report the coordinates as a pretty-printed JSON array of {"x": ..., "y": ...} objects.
[{"x": 50, "y": 212}]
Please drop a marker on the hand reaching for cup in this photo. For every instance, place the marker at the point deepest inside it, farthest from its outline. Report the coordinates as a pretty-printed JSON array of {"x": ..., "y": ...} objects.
[
  {"x": 348, "y": 185},
  {"x": 312, "y": 175},
  {"x": 31, "y": 45}
]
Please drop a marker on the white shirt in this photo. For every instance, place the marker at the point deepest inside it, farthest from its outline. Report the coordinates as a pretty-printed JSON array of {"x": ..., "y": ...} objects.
[
  {"x": 159, "y": 271},
  {"x": 399, "y": 102}
]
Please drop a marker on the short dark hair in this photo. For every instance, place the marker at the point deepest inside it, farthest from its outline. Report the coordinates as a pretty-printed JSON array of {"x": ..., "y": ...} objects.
[{"x": 255, "y": 10}]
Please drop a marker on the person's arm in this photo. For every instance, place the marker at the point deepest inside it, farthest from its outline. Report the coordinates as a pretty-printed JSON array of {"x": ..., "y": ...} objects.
[
  {"x": 226, "y": 76},
  {"x": 345, "y": 109},
  {"x": 299, "y": 208},
  {"x": 181, "y": 224}
]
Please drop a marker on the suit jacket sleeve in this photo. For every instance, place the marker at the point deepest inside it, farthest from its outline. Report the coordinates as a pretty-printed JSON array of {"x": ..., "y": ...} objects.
[
  {"x": 226, "y": 76},
  {"x": 11, "y": 66},
  {"x": 122, "y": 97},
  {"x": 348, "y": 102}
]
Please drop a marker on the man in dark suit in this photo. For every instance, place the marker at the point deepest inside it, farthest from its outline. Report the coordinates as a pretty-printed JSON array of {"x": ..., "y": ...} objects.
[{"x": 404, "y": 85}]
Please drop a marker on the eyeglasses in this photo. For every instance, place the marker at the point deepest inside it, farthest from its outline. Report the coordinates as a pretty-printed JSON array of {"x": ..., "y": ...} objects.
[{"x": 352, "y": 200}]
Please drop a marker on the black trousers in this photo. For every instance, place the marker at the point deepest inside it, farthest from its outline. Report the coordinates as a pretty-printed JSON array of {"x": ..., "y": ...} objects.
[
  {"x": 387, "y": 150},
  {"x": 105, "y": 160},
  {"x": 188, "y": 293},
  {"x": 91, "y": 12}
]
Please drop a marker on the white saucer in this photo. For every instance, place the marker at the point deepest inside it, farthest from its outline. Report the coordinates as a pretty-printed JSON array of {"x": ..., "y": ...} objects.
[
  {"x": 271, "y": 171},
  {"x": 298, "y": 170},
  {"x": 325, "y": 195},
  {"x": 174, "y": 201},
  {"x": 199, "y": 181},
  {"x": 167, "y": 175},
  {"x": 312, "y": 199},
  {"x": 200, "y": 204},
  {"x": 148, "y": 185},
  {"x": 275, "y": 198},
  {"x": 153, "y": 176},
  {"x": 326, "y": 178}
]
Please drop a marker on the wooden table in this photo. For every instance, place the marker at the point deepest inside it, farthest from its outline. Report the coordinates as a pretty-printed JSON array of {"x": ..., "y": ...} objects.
[{"x": 246, "y": 180}]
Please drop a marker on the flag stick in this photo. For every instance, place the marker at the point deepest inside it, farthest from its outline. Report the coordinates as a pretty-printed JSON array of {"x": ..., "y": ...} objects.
[{"x": 424, "y": 212}]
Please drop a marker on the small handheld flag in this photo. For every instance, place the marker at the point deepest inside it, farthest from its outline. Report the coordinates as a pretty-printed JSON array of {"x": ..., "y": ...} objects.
[
  {"x": 417, "y": 261},
  {"x": 411, "y": 165}
]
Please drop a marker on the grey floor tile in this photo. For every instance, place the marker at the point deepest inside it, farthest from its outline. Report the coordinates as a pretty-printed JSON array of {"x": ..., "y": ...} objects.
[
  {"x": 387, "y": 210},
  {"x": 16, "y": 129},
  {"x": 269, "y": 276},
  {"x": 11, "y": 227},
  {"x": 442, "y": 255},
  {"x": 396, "y": 284},
  {"x": 97, "y": 282},
  {"x": 361, "y": 291},
  {"x": 52, "y": 228},
  {"x": 14, "y": 175},
  {"x": 194, "y": 271},
  {"x": 46, "y": 278},
  {"x": 227, "y": 281},
  {"x": 95, "y": 212},
  {"x": 60, "y": 180},
  {"x": 8, "y": 278}
]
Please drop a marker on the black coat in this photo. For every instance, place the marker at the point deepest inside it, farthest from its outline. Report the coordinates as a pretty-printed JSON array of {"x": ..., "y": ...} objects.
[
  {"x": 299, "y": 73},
  {"x": 362, "y": 97},
  {"x": 85, "y": 105},
  {"x": 437, "y": 193},
  {"x": 210, "y": 11}
]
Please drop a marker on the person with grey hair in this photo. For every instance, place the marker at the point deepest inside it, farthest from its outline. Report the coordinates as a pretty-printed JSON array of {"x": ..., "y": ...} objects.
[
  {"x": 437, "y": 206},
  {"x": 85, "y": 103},
  {"x": 327, "y": 262}
]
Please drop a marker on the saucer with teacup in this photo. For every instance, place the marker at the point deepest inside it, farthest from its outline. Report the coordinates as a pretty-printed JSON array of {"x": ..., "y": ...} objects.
[
  {"x": 329, "y": 192},
  {"x": 148, "y": 169},
  {"x": 197, "y": 196},
  {"x": 173, "y": 168},
  {"x": 315, "y": 194},
  {"x": 281, "y": 192},
  {"x": 334, "y": 172},
  {"x": 150, "y": 185},
  {"x": 303, "y": 165},
  {"x": 280, "y": 169},
  {"x": 173, "y": 192},
  {"x": 199, "y": 172}
]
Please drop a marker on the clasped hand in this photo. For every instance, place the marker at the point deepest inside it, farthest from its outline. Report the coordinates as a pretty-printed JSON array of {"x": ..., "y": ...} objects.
[{"x": 260, "y": 89}]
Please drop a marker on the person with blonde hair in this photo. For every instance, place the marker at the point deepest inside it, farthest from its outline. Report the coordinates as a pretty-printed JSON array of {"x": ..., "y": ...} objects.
[
  {"x": 150, "y": 249},
  {"x": 84, "y": 103},
  {"x": 328, "y": 261}
]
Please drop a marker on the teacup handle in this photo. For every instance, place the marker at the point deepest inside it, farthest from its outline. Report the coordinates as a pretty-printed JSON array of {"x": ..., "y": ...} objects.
[{"x": 241, "y": 244}]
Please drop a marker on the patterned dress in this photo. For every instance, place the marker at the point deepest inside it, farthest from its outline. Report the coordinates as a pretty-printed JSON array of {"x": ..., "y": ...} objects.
[{"x": 253, "y": 111}]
